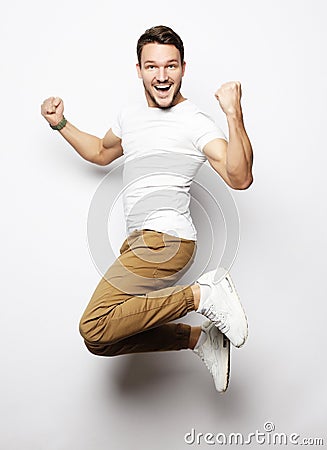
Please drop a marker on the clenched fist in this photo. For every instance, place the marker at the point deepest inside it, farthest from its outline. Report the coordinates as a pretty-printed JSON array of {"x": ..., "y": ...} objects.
[
  {"x": 53, "y": 110},
  {"x": 229, "y": 97}
]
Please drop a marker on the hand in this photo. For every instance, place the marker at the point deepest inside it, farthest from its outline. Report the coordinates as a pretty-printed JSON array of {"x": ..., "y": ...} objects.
[
  {"x": 229, "y": 97},
  {"x": 52, "y": 109}
]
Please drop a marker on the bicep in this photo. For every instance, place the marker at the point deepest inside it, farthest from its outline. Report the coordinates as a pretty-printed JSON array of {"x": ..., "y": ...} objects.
[
  {"x": 111, "y": 148},
  {"x": 216, "y": 153}
]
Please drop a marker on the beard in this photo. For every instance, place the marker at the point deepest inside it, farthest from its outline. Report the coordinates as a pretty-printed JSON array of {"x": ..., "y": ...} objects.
[{"x": 155, "y": 100}]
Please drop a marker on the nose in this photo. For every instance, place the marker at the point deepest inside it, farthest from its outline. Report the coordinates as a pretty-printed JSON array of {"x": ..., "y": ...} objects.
[{"x": 162, "y": 74}]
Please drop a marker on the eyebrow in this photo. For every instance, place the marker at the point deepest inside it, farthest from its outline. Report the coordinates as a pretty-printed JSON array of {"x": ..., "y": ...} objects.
[{"x": 167, "y": 62}]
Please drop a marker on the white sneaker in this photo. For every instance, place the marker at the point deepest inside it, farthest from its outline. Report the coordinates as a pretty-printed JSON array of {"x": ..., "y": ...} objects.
[
  {"x": 223, "y": 308},
  {"x": 215, "y": 353}
]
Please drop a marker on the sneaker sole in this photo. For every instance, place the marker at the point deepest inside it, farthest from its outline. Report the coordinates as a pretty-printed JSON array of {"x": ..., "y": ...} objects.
[
  {"x": 228, "y": 284},
  {"x": 225, "y": 344}
]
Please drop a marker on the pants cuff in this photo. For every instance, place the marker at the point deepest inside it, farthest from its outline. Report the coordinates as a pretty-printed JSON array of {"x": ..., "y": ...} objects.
[
  {"x": 189, "y": 297},
  {"x": 183, "y": 332}
]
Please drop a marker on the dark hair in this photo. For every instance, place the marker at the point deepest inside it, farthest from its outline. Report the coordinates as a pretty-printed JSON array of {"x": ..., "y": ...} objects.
[{"x": 161, "y": 35}]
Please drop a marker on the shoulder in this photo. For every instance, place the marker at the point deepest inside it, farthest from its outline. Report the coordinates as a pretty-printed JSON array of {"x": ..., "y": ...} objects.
[
  {"x": 203, "y": 128},
  {"x": 196, "y": 113}
]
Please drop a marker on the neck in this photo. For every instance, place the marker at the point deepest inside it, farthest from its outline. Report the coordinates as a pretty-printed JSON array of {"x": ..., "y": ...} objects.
[
  {"x": 152, "y": 102},
  {"x": 178, "y": 99}
]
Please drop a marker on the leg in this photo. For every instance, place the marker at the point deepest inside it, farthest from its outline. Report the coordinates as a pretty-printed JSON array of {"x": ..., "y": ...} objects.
[
  {"x": 125, "y": 313},
  {"x": 170, "y": 336}
]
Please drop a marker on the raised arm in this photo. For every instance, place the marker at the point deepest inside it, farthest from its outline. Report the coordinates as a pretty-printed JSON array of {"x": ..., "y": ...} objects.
[
  {"x": 93, "y": 149},
  {"x": 232, "y": 160}
]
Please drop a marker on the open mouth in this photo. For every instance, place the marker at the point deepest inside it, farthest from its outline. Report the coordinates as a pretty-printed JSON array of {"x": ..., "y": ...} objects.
[{"x": 162, "y": 87}]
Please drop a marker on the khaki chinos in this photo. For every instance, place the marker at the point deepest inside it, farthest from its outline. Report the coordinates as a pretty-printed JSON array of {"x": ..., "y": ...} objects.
[{"x": 134, "y": 301}]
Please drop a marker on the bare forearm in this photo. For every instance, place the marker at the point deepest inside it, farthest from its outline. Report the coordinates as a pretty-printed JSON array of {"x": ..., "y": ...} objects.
[
  {"x": 238, "y": 156},
  {"x": 87, "y": 145},
  {"x": 239, "y": 152}
]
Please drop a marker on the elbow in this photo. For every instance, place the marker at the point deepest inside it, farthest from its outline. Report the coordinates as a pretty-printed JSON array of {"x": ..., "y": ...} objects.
[
  {"x": 243, "y": 185},
  {"x": 100, "y": 162},
  {"x": 247, "y": 183},
  {"x": 97, "y": 158},
  {"x": 240, "y": 178}
]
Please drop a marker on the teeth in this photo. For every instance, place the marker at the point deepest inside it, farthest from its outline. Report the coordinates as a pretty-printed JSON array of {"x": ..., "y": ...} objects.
[{"x": 162, "y": 87}]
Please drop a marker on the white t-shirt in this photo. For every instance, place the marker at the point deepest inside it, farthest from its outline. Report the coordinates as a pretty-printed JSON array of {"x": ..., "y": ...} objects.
[{"x": 163, "y": 150}]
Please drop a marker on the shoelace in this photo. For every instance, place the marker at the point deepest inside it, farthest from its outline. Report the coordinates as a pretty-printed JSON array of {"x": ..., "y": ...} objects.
[{"x": 218, "y": 318}]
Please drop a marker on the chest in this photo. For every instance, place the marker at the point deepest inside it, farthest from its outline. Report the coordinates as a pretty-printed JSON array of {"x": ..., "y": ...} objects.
[{"x": 149, "y": 134}]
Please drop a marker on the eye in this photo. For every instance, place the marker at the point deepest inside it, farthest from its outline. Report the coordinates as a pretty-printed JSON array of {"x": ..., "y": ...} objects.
[
  {"x": 172, "y": 66},
  {"x": 150, "y": 67}
]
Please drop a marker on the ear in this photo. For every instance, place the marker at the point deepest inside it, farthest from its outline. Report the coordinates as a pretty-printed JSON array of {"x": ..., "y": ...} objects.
[
  {"x": 183, "y": 68},
  {"x": 138, "y": 68}
]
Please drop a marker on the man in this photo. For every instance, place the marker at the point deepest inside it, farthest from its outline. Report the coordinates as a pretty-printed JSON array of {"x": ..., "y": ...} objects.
[{"x": 164, "y": 143}]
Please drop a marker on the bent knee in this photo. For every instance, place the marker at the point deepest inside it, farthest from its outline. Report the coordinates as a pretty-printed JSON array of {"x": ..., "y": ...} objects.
[
  {"x": 100, "y": 349},
  {"x": 96, "y": 336},
  {"x": 90, "y": 331}
]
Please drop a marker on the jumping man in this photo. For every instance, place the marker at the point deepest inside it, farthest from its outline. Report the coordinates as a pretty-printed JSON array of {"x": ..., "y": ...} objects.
[{"x": 163, "y": 142}]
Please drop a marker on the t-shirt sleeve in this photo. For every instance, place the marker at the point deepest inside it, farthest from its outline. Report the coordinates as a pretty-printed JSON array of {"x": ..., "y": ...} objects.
[
  {"x": 116, "y": 126},
  {"x": 205, "y": 130}
]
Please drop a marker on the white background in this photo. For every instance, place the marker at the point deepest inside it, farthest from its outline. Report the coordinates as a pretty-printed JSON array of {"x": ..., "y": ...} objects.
[{"x": 54, "y": 394}]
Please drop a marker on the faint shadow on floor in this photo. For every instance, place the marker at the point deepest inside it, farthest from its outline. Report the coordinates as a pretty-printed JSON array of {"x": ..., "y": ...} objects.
[{"x": 144, "y": 376}]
